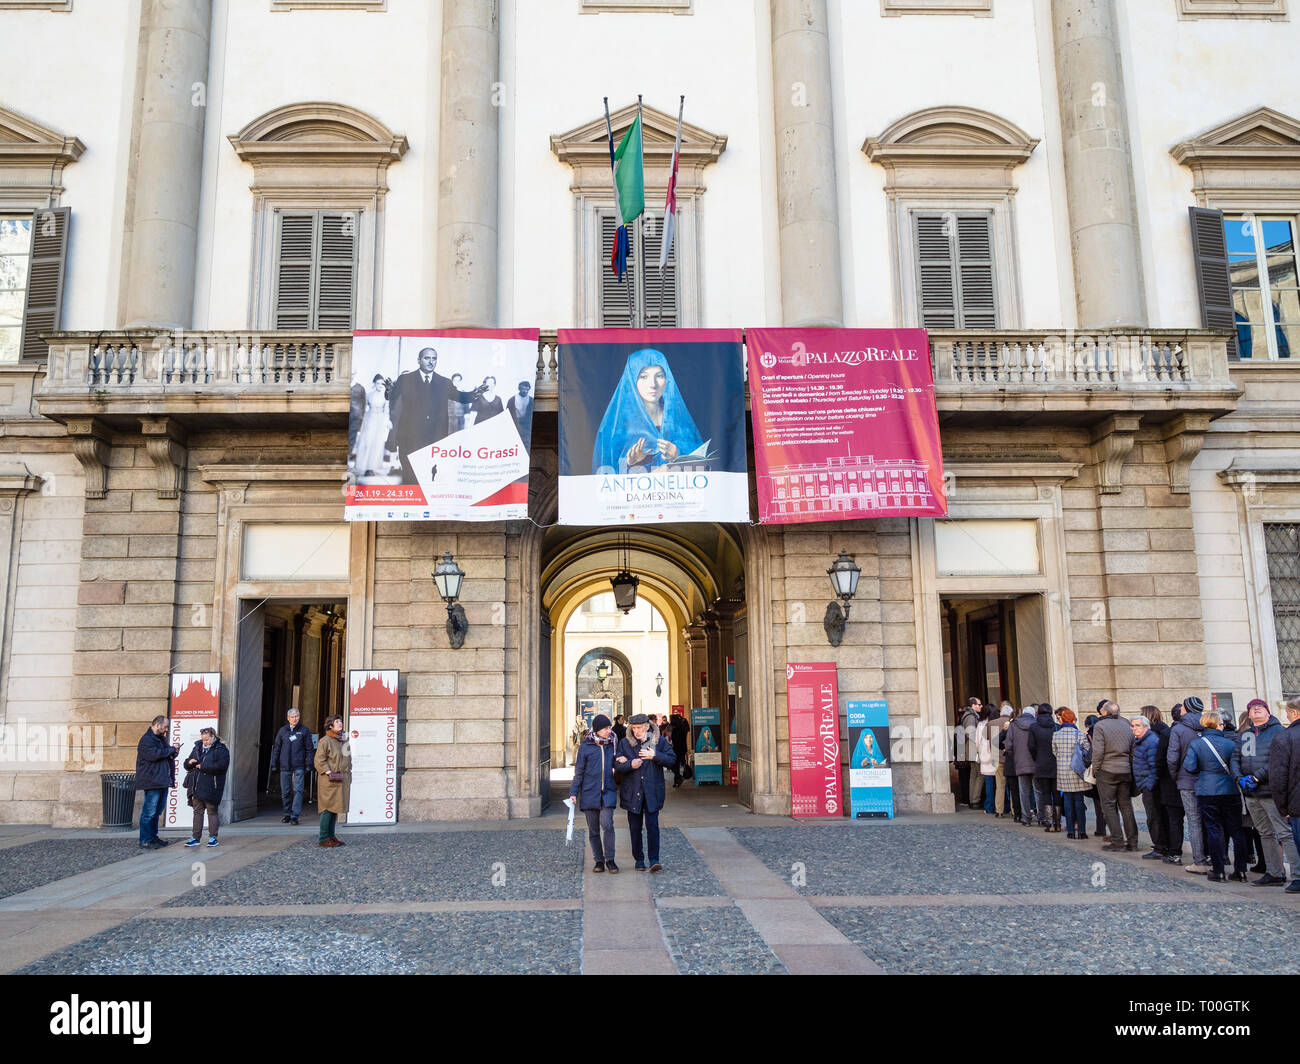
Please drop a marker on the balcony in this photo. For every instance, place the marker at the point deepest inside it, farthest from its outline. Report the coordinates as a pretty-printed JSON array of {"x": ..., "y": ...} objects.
[{"x": 219, "y": 378}]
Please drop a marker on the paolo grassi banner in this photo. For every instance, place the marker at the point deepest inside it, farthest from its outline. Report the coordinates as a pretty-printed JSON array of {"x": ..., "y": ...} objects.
[
  {"x": 652, "y": 426},
  {"x": 844, "y": 424},
  {"x": 440, "y": 424}
]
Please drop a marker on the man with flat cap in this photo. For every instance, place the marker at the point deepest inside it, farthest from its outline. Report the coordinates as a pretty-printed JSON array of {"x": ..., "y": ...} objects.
[{"x": 639, "y": 768}]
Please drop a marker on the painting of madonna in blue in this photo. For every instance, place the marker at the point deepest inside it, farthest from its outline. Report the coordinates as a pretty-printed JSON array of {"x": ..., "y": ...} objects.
[{"x": 647, "y": 423}]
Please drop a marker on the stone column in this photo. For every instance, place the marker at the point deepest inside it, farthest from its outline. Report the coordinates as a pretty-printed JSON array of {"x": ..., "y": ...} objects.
[
  {"x": 168, "y": 168},
  {"x": 1098, "y": 165},
  {"x": 467, "y": 165},
  {"x": 807, "y": 206}
]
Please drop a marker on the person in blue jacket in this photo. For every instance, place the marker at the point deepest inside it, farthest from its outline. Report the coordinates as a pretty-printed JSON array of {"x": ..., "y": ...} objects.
[
  {"x": 1208, "y": 761},
  {"x": 292, "y": 756},
  {"x": 639, "y": 769},
  {"x": 1249, "y": 765},
  {"x": 865, "y": 754},
  {"x": 596, "y": 791}
]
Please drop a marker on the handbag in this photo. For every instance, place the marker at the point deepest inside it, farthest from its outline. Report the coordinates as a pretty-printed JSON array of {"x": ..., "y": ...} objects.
[
  {"x": 335, "y": 777},
  {"x": 687, "y": 771}
]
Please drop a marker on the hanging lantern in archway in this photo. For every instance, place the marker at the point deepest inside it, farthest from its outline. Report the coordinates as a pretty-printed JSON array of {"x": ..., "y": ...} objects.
[{"x": 625, "y": 583}]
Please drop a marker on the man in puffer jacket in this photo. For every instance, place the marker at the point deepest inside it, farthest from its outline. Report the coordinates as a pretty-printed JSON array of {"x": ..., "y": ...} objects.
[
  {"x": 1040, "y": 748},
  {"x": 1250, "y": 766},
  {"x": 1021, "y": 762},
  {"x": 1185, "y": 732},
  {"x": 1284, "y": 777},
  {"x": 1145, "y": 781},
  {"x": 1112, "y": 748}
]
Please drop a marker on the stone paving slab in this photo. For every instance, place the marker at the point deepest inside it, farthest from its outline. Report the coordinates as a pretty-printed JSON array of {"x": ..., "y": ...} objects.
[
  {"x": 409, "y": 944},
  {"x": 684, "y": 875},
  {"x": 716, "y": 941},
  {"x": 1121, "y": 939},
  {"x": 969, "y": 858},
  {"x": 443, "y": 866},
  {"x": 35, "y": 864}
]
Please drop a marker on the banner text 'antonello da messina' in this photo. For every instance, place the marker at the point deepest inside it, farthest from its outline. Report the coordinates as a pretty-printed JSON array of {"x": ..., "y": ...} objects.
[
  {"x": 844, "y": 424},
  {"x": 440, "y": 424},
  {"x": 652, "y": 426}
]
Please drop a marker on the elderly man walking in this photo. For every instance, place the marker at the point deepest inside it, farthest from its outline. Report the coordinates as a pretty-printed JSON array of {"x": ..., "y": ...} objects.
[
  {"x": 639, "y": 768},
  {"x": 1112, "y": 761},
  {"x": 291, "y": 756}
]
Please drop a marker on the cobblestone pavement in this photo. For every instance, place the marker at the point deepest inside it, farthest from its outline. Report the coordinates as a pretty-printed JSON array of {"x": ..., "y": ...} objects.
[{"x": 738, "y": 894}]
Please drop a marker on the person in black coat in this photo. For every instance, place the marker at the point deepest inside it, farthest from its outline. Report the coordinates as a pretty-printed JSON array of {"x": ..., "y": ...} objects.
[
  {"x": 205, "y": 781},
  {"x": 291, "y": 756},
  {"x": 1169, "y": 802},
  {"x": 680, "y": 732},
  {"x": 595, "y": 789},
  {"x": 639, "y": 768},
  {"x": 1284, "y": 778},
  {"x": 1040, "y": 749},
  {"x": 418, "y": 409},
  {"x": 155, "y": 774}
]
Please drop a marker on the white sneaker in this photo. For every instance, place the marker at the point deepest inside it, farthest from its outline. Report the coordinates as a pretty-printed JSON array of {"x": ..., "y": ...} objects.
[{"x": 1196, "y": 870}]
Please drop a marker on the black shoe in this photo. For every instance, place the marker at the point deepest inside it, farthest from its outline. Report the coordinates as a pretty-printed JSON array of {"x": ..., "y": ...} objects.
[
  {"x": 1071, "y": 835},
  {"x": 1132, "y": 847},
  {"x": 158, "y": 843},
  {"x": 611, "y": 867},
  {"x": 1154, "y": 855},
  {"x": 1083, "y": 835},
  {"x": 293, "y": 820},
  {"x": 285, "y": 819},
  {"x": 1214, "y": 877},
  {"x": 1238, "y": 877},
  {"x": 599, "y": 866},
  {"x": 1111, "y": 847},
  {"x": 1293, "y": 887},
  {"x": 1171, "y": 858},
  {"x": 1269, "y": 881},
  {"x": 656, "y": 867}
]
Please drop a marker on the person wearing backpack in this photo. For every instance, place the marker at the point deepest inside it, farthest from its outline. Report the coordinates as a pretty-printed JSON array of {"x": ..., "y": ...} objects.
[
  {"x": 1066, "y": 743},
  {"x": 1217, "y": 798}
]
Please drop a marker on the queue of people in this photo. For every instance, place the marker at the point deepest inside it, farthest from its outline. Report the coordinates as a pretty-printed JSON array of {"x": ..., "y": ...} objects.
[{"x": 1231, "y": 783}]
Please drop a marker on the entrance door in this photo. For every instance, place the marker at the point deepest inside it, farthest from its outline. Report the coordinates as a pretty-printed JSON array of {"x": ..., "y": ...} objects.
[
  {"x": 244, "y": 740},
  {"x": 544, "y": 712},
  {"x": 744, "y": 754}
]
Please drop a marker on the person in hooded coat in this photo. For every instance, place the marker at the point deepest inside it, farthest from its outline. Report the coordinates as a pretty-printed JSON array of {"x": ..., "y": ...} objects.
[
  {"x": 596, "y": 791},
  {"x": 1040, "y": 749},
  {"x": 1250, "y": 765},
  {"x": 646, "y": 423},
  {"x": 1185, "y": 732},
  {"x": 1146, "y": 745},
  {"x": 205, "y": 781},
  {"x": 1021, "y": 763},
  {"x": 639, "y": 769}
]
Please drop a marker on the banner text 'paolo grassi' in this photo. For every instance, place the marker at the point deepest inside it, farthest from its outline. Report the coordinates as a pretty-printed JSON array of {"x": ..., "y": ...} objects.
[
  {"x": 440, "y": 425},
  {"x": 652, "y": 426}
]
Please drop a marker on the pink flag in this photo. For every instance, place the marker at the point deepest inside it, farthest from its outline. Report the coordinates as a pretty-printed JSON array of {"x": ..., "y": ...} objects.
[{"x": 670, "y": 204}]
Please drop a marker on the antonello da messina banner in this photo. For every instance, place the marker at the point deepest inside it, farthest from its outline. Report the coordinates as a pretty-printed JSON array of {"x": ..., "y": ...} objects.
[
  {"x": 652, "y": 426},
  {"x": 845, "y": 424},
  {"x": 440, "y": 424}
]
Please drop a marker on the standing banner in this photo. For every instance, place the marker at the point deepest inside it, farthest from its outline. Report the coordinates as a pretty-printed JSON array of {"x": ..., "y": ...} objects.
[
  {"x": 372, "y": 727},
  {"x": 812, "y": 695},
  {"x": 652, "y": 426},
  {"x": 706, "y": 745},
  {"x": 195, "y": 705},
  {"x": 440, "y": 424},
  {"x": 845, "y": 424},
  {"x": 871, "y": 778}
]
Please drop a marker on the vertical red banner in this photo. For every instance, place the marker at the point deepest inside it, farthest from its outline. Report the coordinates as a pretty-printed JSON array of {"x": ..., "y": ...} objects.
[
  {"x": 813, "y": 699},
  {"x": 195, "y": 705}
]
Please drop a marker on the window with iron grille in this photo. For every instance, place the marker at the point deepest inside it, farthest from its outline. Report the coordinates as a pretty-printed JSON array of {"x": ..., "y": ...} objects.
[
  {"x": 1282, "y": 543},
  {"x": 316, "y": 270}
]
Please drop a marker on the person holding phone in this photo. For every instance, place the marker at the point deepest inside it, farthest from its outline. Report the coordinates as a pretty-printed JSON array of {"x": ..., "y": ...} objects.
[
  {"x": 155, "y": 773},
  {"x": 639, "y": 768},
  {"x": 333, "y": 764}
]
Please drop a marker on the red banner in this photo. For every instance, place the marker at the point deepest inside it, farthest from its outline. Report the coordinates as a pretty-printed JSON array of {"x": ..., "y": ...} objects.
[
  {"x": 845, "y": 424},
  {"x": 372, "y": 733},
  {"x": 195, "y": 705},
  {"x": 812, "y": 695}
]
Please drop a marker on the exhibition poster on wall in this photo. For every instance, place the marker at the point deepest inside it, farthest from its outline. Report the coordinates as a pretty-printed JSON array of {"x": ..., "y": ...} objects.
[
  {"x": 440, "y": 425},
  {"x": 812, "y": 695},
  {"x": 871, "y": 777},
  {"x": 706, "y": 745},
  {"x": 372, "y": 732},
  {"x": 195, "y": 705}
]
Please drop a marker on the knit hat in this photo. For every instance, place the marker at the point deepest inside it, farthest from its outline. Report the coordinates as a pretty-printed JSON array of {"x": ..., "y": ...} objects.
[
  {"x": 1192, "y": 704},
  {"x": 600, "y": 721},
  {"x": 1256, "y": 702},
  {"x": 640, "y": 718}
]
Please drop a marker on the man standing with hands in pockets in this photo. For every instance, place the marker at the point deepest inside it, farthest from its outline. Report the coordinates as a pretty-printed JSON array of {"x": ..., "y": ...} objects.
[{"x": 639, "y": 768}]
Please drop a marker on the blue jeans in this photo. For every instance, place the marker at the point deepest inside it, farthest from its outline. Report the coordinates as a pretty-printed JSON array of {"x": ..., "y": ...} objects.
[
  {"x": 1076, "y": 820},
  {"x": 150, "y": 812},
  {"x": 990, "y": 785},
  {"x": 291, "y": 785},
  {"x": 651, "y": 834},
  {"x": 1027, "y": 805}
]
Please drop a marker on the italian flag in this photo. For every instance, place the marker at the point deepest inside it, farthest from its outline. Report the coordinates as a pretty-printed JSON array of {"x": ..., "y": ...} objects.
[{"x": 629, "y": 174}]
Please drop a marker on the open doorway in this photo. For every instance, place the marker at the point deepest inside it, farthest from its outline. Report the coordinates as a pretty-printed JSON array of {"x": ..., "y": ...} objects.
[
  {"x": 994, "y": 649},
  {"x": 292, "y": 656}
]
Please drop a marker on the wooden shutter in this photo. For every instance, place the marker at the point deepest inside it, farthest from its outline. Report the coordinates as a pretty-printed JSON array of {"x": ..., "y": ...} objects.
[
  {"x": 336, "y": 282},
  {"x": 977, "y": 293},
  {"x": 294, "y": 280},
  {"x": 655, "y": 314},
  {"x": 935, "y": 271},
  {"x": 1213, "y": 279},
  {"x": 614, "y": 311},
  {"x": 44, "y": 301}
]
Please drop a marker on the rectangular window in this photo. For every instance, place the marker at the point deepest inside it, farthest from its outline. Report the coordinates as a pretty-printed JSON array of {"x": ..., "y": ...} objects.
[
  {"x": 1265, "y": 294},
  {"x": 1282, "y": 544},
  {"x": 954, "y": 256},
  {"x": 654, "y": 294},
  {"x": 15, "y": 255},
  {"x": 316, "y": 270}
]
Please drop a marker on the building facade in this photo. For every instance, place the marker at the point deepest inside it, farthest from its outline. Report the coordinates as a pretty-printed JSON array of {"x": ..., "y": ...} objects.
[{"x": 1090, "y": 204}]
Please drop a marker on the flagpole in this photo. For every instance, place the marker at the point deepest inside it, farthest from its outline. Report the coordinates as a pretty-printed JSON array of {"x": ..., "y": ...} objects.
[
  {"x": 618, "y": 215},
  {"x": 641, "y": 124},
  {"x": 663, "y": 229}
]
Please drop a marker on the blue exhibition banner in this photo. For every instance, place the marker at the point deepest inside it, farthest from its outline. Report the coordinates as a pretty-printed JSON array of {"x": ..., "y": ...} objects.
[
  {"x": 871, "y": 778},
  {"x": 706, "y": 742}
]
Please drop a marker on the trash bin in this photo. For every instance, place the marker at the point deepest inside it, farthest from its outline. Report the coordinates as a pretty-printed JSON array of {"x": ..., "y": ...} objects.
[{"x": 119, "y": 798}]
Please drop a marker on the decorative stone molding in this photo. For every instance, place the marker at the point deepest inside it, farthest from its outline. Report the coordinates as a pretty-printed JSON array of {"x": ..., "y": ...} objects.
[
  {"x": 1250, "y": 162},
  {"x": 1112, "y": 443},
  {"x": 1274, "y": 10},
  {"x": 90, "y": 443},
  {"x": 329, "y": 5},
  {"x": 35, "y": 5},
  {"x": 1254, "y": 476},
  {"x": 952, "y": 146},
  {"x": 17, "y": 480},
  {"x": 672, "y": 7},
  {"x": 32, "y": 158},
  {"x": 165, "y": 442},
  {"x": 1183, "y": 437},
  {"x": 894, "y": 8}
]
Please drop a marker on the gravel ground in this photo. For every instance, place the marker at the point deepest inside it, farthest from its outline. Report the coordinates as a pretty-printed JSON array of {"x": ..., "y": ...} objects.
[
  {"x": 1046, "y": 940},
  {"x": 716, "y": 941},
  {"x": 685, "y": 874},
  {"x": 945, "y": 859},
  {"x": 438, "y": 866},
  {"x": 35, "y": 864},
  {"x": 409, "y": 944}
]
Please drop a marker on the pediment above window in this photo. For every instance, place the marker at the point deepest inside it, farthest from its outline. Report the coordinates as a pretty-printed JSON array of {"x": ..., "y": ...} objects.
[
  {"x": 32, "y": 158},
  {"x": 944, "y": 146},
  {"x": 1255, "y": 158},
  {"x": 586, "y": 149}
]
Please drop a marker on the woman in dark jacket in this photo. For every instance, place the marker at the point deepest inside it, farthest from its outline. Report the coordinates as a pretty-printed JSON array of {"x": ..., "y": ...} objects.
[
  {"x": 595, "y": 790},
  {"x": 206, "y": 781},
  {"x": 1100, "y": 830},
  {"x": 1040, "y": 749},
  {"x": 1217, "y": 797},
  {"x": 1168, "y": 801}
]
